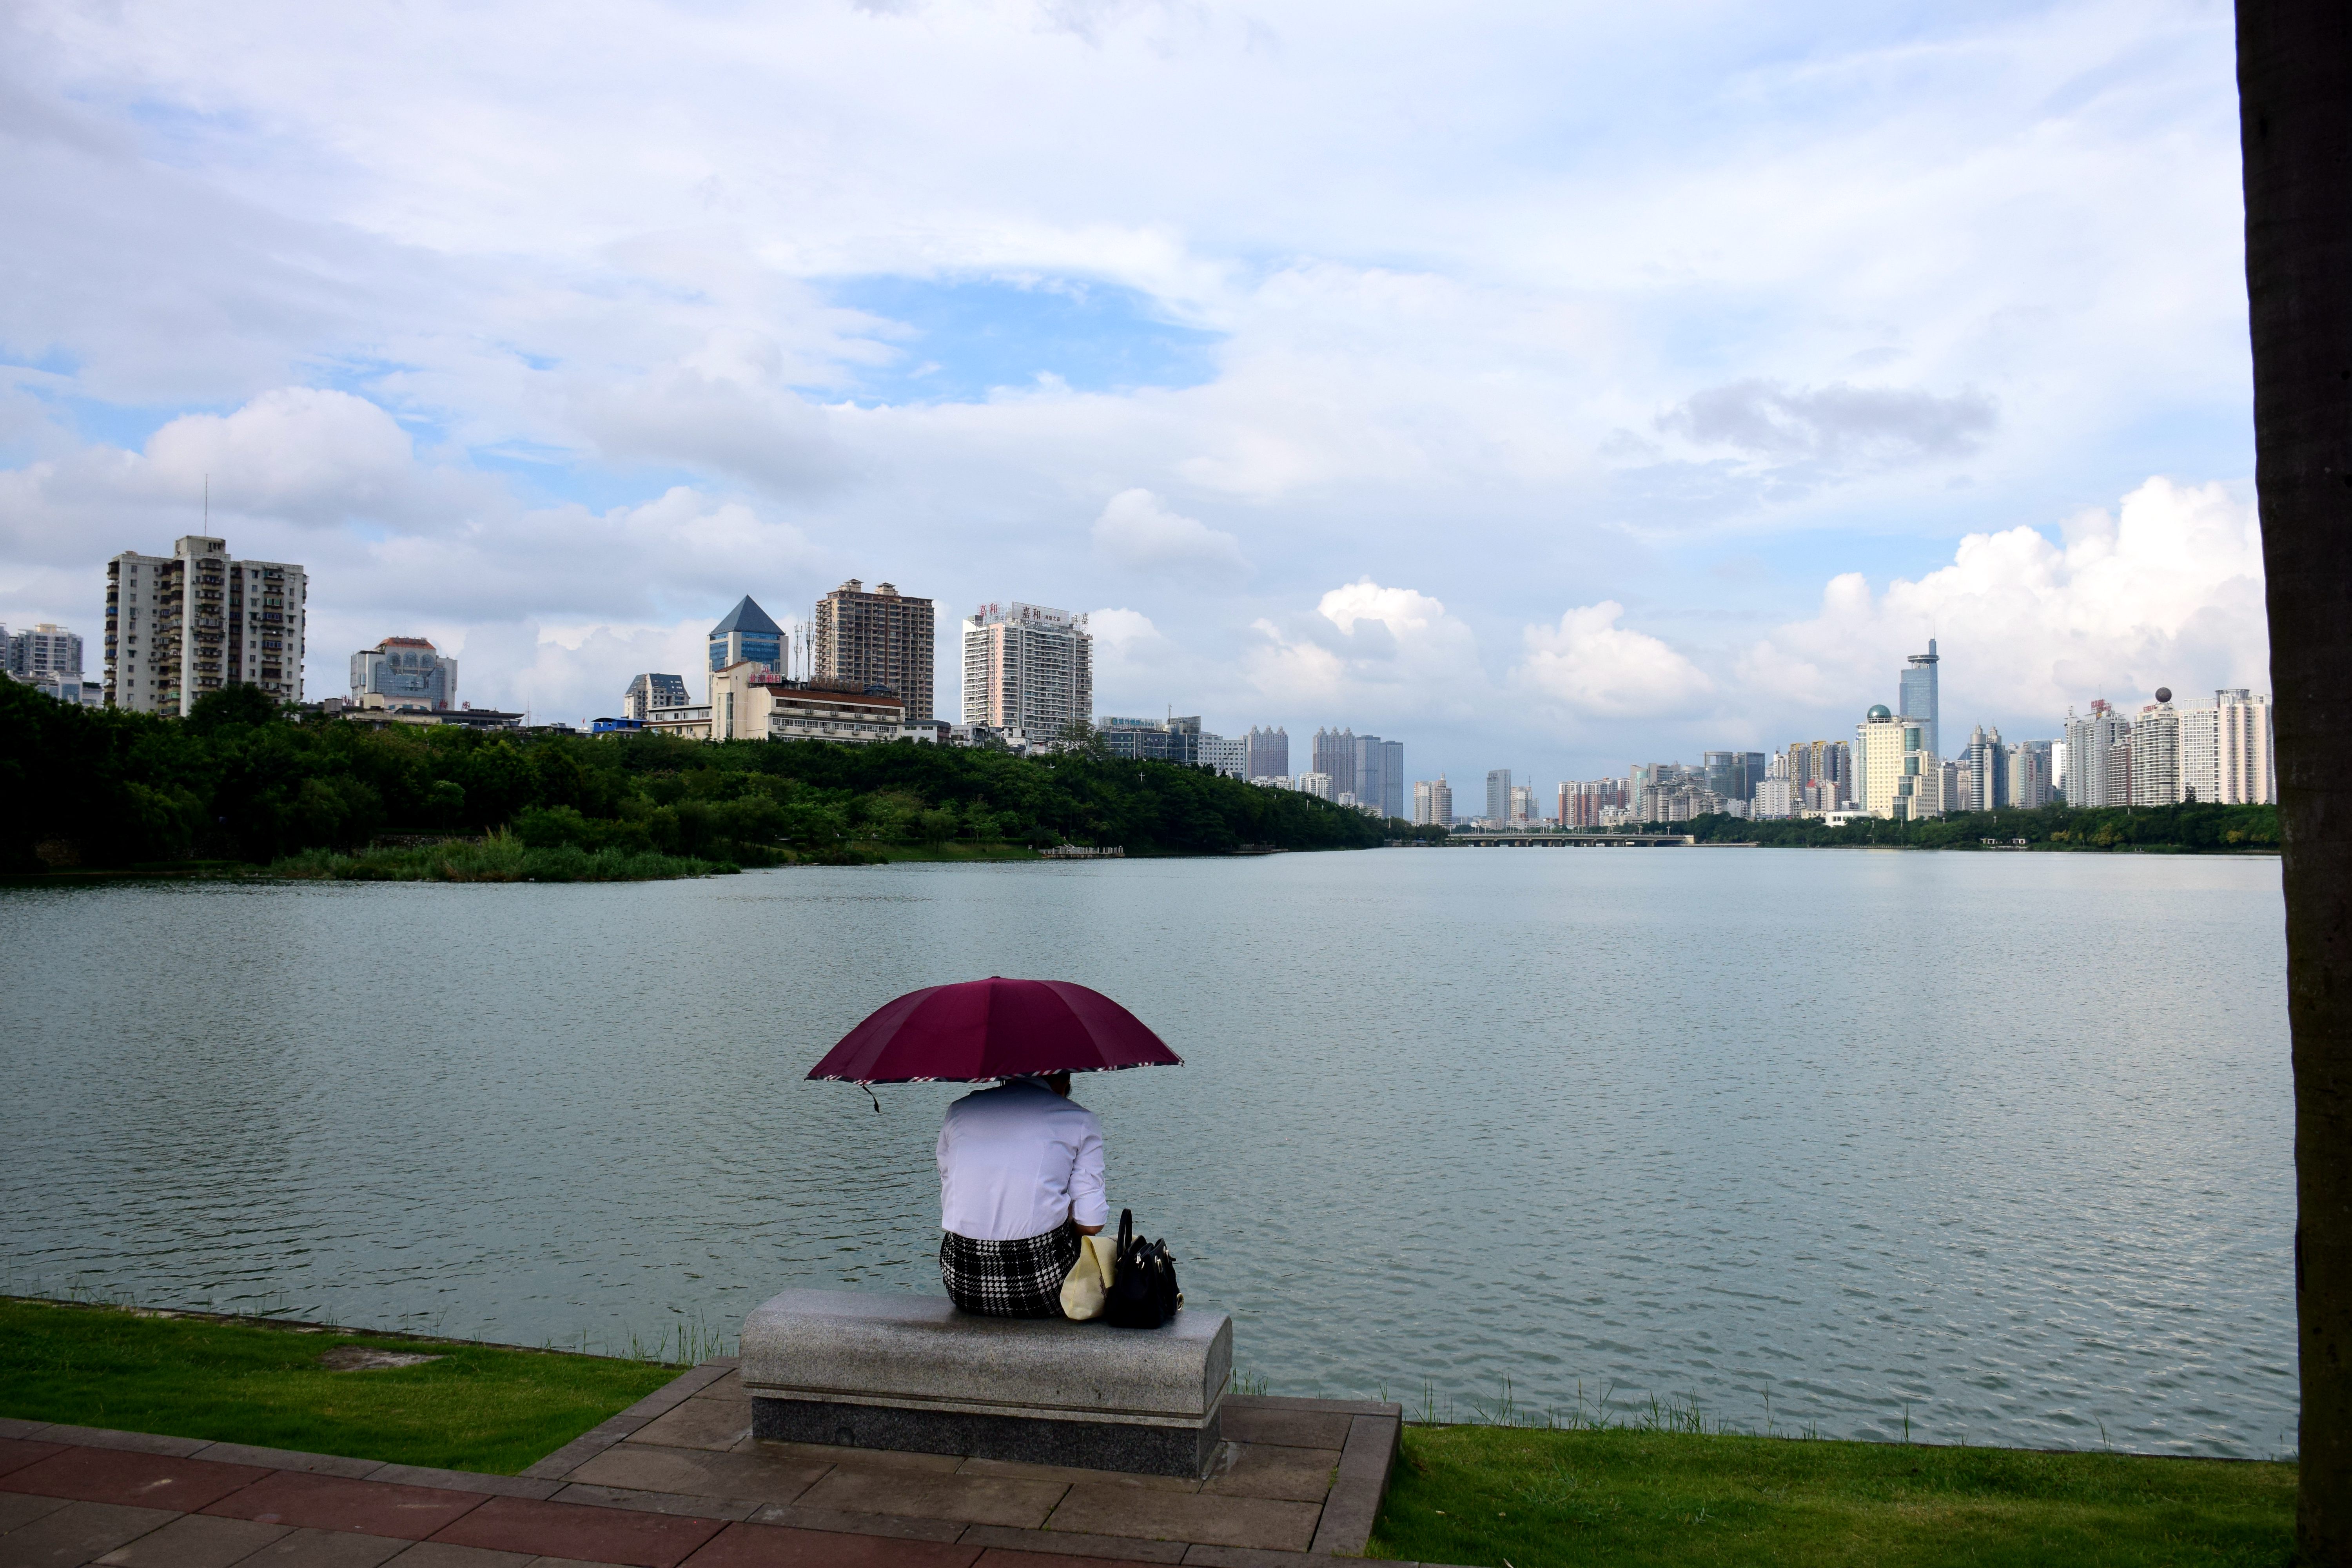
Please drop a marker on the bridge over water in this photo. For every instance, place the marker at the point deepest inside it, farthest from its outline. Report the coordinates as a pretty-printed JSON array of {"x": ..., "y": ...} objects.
[{"x": 1565, "y": 840}]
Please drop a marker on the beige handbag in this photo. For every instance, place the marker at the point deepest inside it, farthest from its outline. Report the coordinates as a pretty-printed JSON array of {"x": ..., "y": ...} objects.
[{"x": 1090, "y": 1276}]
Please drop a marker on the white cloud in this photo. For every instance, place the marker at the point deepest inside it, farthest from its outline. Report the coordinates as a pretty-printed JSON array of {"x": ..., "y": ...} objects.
[
  {"x": 1137, "y": 532},
  {"x": 1597, "y": 668},
  {"x": 2165, "y": 591},
  {"x": 1385, "y": 653}
]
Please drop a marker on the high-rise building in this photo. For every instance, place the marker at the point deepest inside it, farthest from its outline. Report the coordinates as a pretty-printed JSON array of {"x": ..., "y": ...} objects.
[
  {"x": 1523, "y": 804},
  {"x": 1821, "y": 773},
  {"x": 405, "y": 672},
  {"x": 1379, "y": 769},
  {"x": 2097, "y": 772},
  {"x": 181, "y": 626},
  {"x": 1878, "y": 753},
  {"x": 1582, "y": 802},
  {"x": 1498, "y": 796},
  {"x": 1027, "y": 667},
  {"x": 884, "y": 639},
  {"x": 2156, "y": 752},
  {"x": 1432, "y": 803},
  {"x": 1775, "y": 798},
  {"x": 1227, "y": 754},
  {"x": 2031, "y": 784},
  {"x": 648, "y": 692},
  {"x": 747, "y": 636},
  {"x": 1985, "y": 764},
  {"x": 1317, "y": 785},
  {"x": 47, "y": 652},
  {"x": 1334, "y": 752},
  {"x": 1269, "y": 753},
  {"x": 1917, "y": 701},
  {"x": 1733, "y": 774},
  {"x": 2225, "y": 750}
]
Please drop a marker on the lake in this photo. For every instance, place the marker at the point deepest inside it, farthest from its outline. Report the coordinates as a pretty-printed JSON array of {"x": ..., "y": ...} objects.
[{"x": 1999, "y": 1144}]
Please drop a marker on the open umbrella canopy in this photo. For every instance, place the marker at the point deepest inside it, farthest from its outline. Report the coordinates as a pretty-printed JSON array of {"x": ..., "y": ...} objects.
[{"x": 982, "y": 1029}]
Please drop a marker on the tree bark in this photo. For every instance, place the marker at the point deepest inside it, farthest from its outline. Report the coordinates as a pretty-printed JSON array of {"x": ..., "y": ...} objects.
[{"x": 2294, "y": 91}]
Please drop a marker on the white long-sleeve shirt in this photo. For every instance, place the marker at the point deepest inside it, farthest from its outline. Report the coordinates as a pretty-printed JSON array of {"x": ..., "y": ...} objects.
[{"x": 1018, "y": 1160}]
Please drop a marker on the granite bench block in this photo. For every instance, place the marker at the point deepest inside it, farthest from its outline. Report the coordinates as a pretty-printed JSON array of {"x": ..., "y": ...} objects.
[{"x": 912, "y": 1372}]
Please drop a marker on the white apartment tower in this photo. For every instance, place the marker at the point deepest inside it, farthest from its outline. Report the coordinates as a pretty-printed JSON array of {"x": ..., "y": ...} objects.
[
  {"x": 1432, "y": 803},
  {"x": 181, "y": 626},
  {"x": 2225, "y": 750},
  {"x": 1028, "y": 668},
  {"x": 2156, "y": 752}
]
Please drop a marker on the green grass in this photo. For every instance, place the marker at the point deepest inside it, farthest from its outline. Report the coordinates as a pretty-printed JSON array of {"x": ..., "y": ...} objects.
[
  {"x": 1537, "y": 1499},
  {"x": 500, "y": 857},
  {"x": 481, "y": 1407}
]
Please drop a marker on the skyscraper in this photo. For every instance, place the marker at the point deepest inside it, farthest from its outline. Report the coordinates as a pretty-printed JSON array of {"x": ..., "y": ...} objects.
[
  {"x": 746, "y": 635},
  {"x": 1269, "y": 753},
  {"x": 181, "y": 626},
  {"x": 1986, "y": 765},
  {"x": 1498, "y": 796},
  {"x": 1432, "y": 803},
  {"x": 1878, "y": 760},
  {"x": 2031, "y": 782},
  {"x": 648, "y": 692},
  {"x": 2095, "y": 775},
  {"x": 47, "y": 652},
  {"x": 2156, "y": 752},
  {"x": 883, "y": 639},
  {"x": 1917, "y": 701},
  {"x": 1378, "y": 768},
  {"x": 2225, "y": 750},
  {"x": 1027, "y": 667},
  {"x": 1334, "y": 752}
]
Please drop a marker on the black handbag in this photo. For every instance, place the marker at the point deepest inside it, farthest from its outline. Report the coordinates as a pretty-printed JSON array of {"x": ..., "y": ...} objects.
[{"x": 1143, "y": 1293}]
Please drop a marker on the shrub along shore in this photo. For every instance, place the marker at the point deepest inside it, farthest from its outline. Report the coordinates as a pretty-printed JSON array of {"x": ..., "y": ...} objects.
[
  {"x": 1660, "y": 1492},
  {"x": 239, "y": 781},
  {"x": 2161, "y": 828}
]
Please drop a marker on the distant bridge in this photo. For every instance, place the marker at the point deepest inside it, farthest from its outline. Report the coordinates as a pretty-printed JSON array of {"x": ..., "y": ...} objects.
[{"x": 1569, "y": 840}]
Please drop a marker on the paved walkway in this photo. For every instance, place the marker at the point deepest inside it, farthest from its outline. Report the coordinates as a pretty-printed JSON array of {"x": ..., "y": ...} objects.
[{"x": 676, "y": 1479}]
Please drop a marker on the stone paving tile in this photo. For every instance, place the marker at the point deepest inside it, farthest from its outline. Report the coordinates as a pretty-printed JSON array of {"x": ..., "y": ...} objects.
[
  {"x": 1019, "y": 1470},
  {"x": 325, "y": 1549},
  {"x": 1248, "y": 1557},
  {"x": 1329, "y": 1407},
  {"x": 1001, "y": 1557},
  {"x": 10, "y": 1426},
  {"x": 773, "y": 1546},
  {"x": 288, "y": 1459},
  {"x": 975, "y": 1500},
  {"x": 1270, "y": 1523},
  {"x": 23, "y": 1508},
  {"x": 728, "y": 1387},
  {"x": 568, "y": 1563},
  {"x": 716, "y": 1423},
  {"x": 1059, "y": 1545},
  {"x": 1293, "y": 1428},
  {"x": 858, "y": 1459},
  {"x": 132, "y": 1442},
  {"x": 642, "y": 1467},
  {"x": 362, "y": 1508},
  {"x": 139, "y": 1480},
  {"x": 722, "y": 1509},
  {"x": 1269, "y": 1469},
  {"x": 1355, "y": 1501},
  {"x": 15, "y": 1453},
  {"x": 520, "y": 1524},
  {"x": 193, "y": 1541},
  {"x": 465, "y": 1482},
  {"x": 79, "y": 1532},
  {"x": 440, "y": 1554},
  {"x": 896, "y": 1529}
]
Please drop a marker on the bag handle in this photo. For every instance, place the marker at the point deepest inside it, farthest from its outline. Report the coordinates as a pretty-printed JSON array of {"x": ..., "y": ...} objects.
[{"x": 1126, "y": 1230}]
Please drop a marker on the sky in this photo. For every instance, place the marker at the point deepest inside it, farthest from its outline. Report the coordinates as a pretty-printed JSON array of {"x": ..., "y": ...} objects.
[{"x": 1549, "y": 386}]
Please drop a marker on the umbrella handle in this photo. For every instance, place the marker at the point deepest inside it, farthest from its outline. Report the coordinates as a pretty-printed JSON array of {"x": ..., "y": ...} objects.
[{"x": 870, "y": 1095}]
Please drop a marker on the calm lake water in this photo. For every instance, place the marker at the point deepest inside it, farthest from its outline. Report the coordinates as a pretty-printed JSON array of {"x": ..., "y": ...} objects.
[{"x": 2000, "y": 1140}]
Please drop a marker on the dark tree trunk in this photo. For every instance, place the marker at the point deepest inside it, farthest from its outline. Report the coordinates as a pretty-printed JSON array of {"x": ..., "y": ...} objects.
[{"x": 2294, "y": 92}]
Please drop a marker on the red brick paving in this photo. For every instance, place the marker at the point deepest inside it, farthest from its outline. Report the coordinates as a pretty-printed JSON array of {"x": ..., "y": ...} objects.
[
  {"x": 574, "y": 1529},
  {"x": 779, "y": 1546},
  {"x": 359, "y": 1507},
  {"x": 15, "y": 1453},
  {"x": 129, "y": 1480}
]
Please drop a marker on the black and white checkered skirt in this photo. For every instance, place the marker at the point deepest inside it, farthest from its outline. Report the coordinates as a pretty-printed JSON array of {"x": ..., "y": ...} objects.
[{"x": 1009, "y": 1279}]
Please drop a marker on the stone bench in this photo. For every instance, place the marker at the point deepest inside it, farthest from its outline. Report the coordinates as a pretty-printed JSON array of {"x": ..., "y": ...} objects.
[{"x": 912, "y": 1372}]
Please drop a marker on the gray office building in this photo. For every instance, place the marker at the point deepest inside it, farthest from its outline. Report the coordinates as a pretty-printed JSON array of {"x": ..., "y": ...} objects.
[
  {"x": 1917, "y": 700},
  {"x": 1498, "y": 796},
  {"x": 1734, "y": 775}
]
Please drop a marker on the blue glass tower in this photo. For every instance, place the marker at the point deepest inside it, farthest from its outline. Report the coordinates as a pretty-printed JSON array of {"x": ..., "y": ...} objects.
[
  {"x": 1918, "y": 698},
  {"x": 747, "y": 633}
]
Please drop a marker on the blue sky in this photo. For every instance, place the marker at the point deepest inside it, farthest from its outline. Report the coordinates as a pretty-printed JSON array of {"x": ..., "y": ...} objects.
[{"x": 1553, "y": 387}]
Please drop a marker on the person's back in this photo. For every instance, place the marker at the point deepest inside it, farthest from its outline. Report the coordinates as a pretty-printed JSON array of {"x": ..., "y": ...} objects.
[{"x": 1020, "y": 1179}]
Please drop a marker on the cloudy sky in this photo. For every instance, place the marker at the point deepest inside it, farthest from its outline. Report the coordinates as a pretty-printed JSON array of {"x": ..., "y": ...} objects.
[{"x": 1548, "y": 385}]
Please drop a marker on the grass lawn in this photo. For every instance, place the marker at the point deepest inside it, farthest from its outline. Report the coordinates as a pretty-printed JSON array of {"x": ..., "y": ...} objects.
[
  {"x": 479, "y": 1407},
  {"x": 1488, "y": 1494}
]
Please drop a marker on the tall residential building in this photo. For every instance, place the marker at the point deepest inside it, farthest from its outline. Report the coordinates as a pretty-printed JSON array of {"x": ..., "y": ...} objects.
[
  {"x": 1334, "y": 752},
  {"x": 47, "y": 652},
  {"x": 648, "y": 692},
  {"x": 2225, "y": 750},
  {"x": 747, "y": 636},
  {"x": 1269, "y": 753},
  {"x": 883, "y": 639},
  {"x": 1878, "y": 753},
  {"x": 2156, "y": 752},
  {"x": 1379, "y": 767},
  {"x": 1985, "y": 769},
  {"x": 2032, "y": 783},
  {"x": 1498, "y": 796},
  {"x": 1317, "y": 785},
  {"x": 2097, "y": 775},
  {"x": 181, "y": 626},
  {"x": 1227, "y": 754},
  {"x": 1821, "y": 773},
  {"x": 1028, "y": 668},
  {"x": 405, "y": 672},
  {"x": 1432, "y": 803},
  {"x": 1775, "y": 798},
  {"x": 1918, "y": 698},
  {"x": 1523, "y": 804},
  {"x": 1582, "y": 802}
]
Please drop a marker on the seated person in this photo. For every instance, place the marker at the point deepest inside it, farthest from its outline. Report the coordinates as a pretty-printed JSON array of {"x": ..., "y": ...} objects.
[{"x": 1020, "y": 1179}]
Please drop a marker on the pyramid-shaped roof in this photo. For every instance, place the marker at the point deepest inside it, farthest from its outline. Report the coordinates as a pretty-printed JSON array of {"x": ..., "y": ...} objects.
[{"x": 747, "y": 616}]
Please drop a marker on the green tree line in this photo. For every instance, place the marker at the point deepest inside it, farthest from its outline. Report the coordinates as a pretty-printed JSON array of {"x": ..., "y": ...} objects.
[
  {"x": 238, "y": 779},
  {"x": 2192, "y": 827}
]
